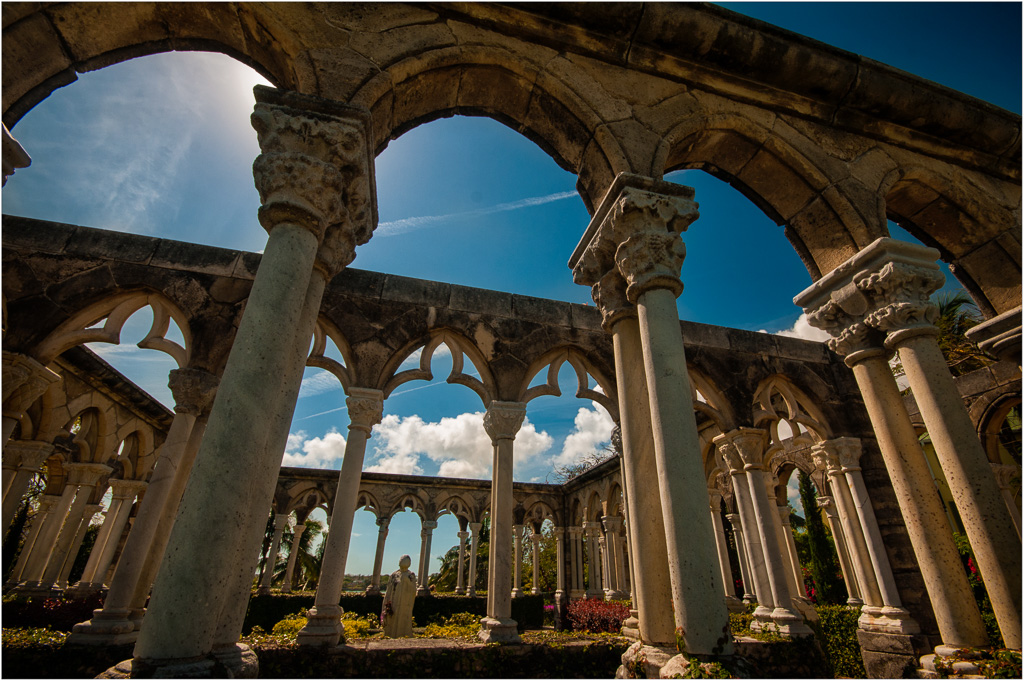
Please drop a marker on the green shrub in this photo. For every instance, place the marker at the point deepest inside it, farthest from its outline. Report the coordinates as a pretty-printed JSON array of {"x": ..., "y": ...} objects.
[
  {"x": 33, "y": 637},
  {"x": 838, "y": 635},
  {"x": 289, "y": 627},
  {"x": 459, "y": 625},
  {"x": 359, "y": 626}
]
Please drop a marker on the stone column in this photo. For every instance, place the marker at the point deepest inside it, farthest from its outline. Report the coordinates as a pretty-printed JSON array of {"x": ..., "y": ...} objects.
[
  {"x": 723, "y": 550},
  {"x": 574, "y": 560},
  {"x": 82, "y": 480},
  {"x": 845, "y": 562},
  {"x": 280, "y": 524},
  {"x": 612, "y": 527},
  {"x": 293, "y": 553},
  {"x": 517, "y": 552},
  {"x": 836, "y": 304},
  {"x": 1008, "y": 477},
  {"x": 741, "y": 555},
  {"x": 637, "y": 229},
  {"x": 898, "y": 278},
  {"x": 123, "y": 493},
  {"x": 794, "y": 559},
  {"x": 378, "y": 556},
  {"x": 24, "y": 381},
  {"x": 502, "y": 421},
  {"x": 590, "y": 531},
  {"x": 426, "y": 537},
  {"x": 559, "y": 536},
  {"x": 324, "y": 627},
  {"x": 27, "y": 458},
  {"x": 894, "y": 617},
  {"x": 460, "y": 576},
  {"x": 750, "y": 446},
  {"x": 474, "y": 529},
  {"x": 535, "y": 577},
  {"x": 315, "y": 181},
  {"x": 755, "y": 551},
  {"x": 47, "y": 503},
  {"x": 76, "y": 544}
]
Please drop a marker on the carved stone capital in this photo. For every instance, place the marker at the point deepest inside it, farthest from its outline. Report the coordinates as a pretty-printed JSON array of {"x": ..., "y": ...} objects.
[
  {"x": 365, "y": 408},
  {"x": 729, "y": 454},
  {"x": 46, "y": 503},
  {"x": 87, "y": 474},
  {"x": 784, "y": 513},
  {"x": 612, "y": 523},
  {"x": 462, "y": 534},
  {"x": 27, "y": 455},
  {"x": 748, "y": 449},
  {"x": 1008, "y": 477},
  {"x": 193, "y": 390},
  {"x": 715, "y": 497},
  {"x": 610, "y": 296},
  {"x": 383, "y": 523},
  {"x": 735, "y": 520},
  {"x": 428, "y": 526},
  {"x": 14, "y": 155},
  {"x": 503, "y": 420},
  {"x": 281, "y": 521},
  {"x": 851, "y": 337},
  {"x": 849, "y": 451},
  {"x": 900, "y": 294},
  {"x": 475, "y": 528},
  {"x": 126, "y": 489},
  {"x": 24, "y": 381}
]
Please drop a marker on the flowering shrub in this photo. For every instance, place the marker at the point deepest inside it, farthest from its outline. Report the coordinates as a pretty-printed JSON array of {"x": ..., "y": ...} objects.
[
  {"x": 596, "y": 615},
  {"x": 459, "y": 625},
  {"x": 358, "y": 626},
  {"x": 289, "y": 627}
]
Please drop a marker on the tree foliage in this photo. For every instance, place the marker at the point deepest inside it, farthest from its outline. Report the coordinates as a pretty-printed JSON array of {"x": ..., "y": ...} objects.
[{"x": 824, "y": 564}]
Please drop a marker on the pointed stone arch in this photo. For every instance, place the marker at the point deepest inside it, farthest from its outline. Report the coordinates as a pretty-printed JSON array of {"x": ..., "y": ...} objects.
[
  {"x": 577, "y": 359},
  {"x": 460, "y": 348}
]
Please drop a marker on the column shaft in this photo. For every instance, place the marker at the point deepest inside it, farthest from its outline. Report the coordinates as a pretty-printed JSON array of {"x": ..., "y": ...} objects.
[
  {"x": 46, "y": 505},
  {"x": 293, "y": 553},
  {"x": 43, "y": 546},
  {"x": 378, "y": 556},
  {"x": 517, "y": 584},
  {"x": 845, "y": 562},
  {"x": 535, "y": 577},
  {"x": 460, "y": 576},
  {"x": 475, "y": 534}
]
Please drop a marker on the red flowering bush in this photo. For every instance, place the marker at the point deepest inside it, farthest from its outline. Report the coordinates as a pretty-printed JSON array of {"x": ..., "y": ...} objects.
[{"x": 595, "y": 615}]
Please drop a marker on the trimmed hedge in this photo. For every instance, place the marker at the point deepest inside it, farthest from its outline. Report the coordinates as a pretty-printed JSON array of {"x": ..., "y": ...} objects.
[
  {"x": 837, "y": 630},
  {"x": 59, "y": 614},
  {"x": 41, "y": 654},
  {"x": 266, "y": 611}
]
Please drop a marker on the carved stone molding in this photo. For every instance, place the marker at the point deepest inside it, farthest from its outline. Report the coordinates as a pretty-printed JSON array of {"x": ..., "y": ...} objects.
[
  {"x": 1000, "y": 336},
  {"x": 365, "y": 408},
  {"x": 743, "y": 448},
  {"x": 503, "y": 420},
  {"x": 610, "y": 296},
  {"x": 126, "y": 489},
  {"x": 24, "y": 381},
  {"x": 86, "y": 474},
  {"x": 193, "y": 390},
  {"x": 28, "y": 455}
]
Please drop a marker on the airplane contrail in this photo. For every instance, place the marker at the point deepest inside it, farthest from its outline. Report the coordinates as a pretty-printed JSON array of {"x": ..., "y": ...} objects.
[{"x": 404, "y": 225}]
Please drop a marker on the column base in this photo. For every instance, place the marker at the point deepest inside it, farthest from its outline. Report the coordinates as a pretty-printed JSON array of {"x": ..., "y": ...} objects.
[
  {"x": 517, "y": 592},
  {"x": 642, "y": 661},
  {"x": 286, "y": 589},
  {"x": 459, "y": 591},
  {"x": 423, "y": 592},
  {"x": 889, "y": 656},
  {"x": 84, "y": 590},
  {"x": 576, "y": 594},
  {"x": 372, "y": 590},
  {"x": 804, "y": 608},
  {"x": 613, "y": 595},
  {"x": 887, "y": 620},
  {"x": 35, "y": 590},
  {"x": 323, "y": 627},
  {"x": 263, "y": 591},
  {"x": 499, "y": 631},
  {"x": 631, "y": 626},
  {"x": 788, "y": 623},
  {"x": 734, "y": 604},
  {"x": 235, "y": 662},
  {"x": 106, "y": 628},
  {"x": 471, "y": 593},
  {"x": 762, "y": 619}
]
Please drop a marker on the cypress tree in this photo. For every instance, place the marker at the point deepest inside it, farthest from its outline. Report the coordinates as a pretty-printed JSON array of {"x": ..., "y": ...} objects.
[{"x": 824, "y": 563}]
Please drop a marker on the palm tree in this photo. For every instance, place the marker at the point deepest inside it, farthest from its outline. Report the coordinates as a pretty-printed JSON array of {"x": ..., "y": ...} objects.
[
  {"x": 957, "y": 315},
  {"x": 309, "y": 559}
]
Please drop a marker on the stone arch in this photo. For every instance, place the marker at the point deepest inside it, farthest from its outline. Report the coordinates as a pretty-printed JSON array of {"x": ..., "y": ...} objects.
[
  {"x": 553, "y": 360},
  {"x": 460, "y": 348},
  {"x": 783, "y": 174},
  {"x": 455, "y": 504},
  {"x": 778, "y": 400},
  {"x": 46, "y": 48},
  {"x": 536, "y": 511},
  {"x": 594, "y": 507},
  {"x": 975, "y": 231},
  {"x": 325, "y": 331},
  {"x": 415, "y": 502},
  {"x": 613, "y": 503},
  {"x": 135, "y": 451},
  {"x": 369, "y": 501},
  {"x": 304, "y": 496},
  {"x": 96, "y": 439},
  {"x": 989, "y": 414}
]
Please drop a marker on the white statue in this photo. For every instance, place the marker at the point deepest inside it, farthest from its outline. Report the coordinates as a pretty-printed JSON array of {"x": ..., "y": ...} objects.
[{"x": 398, "y": 599}]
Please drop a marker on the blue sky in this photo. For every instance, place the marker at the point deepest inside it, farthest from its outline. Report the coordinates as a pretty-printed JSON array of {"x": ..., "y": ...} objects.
[{"x": 162, "y": 146}]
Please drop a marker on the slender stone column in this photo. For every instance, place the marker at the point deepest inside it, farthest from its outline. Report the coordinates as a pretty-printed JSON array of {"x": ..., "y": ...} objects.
[
  {"x": 723, "y": 550},
  {"x": 378, "y": 556},
  {"x": 750, "y": 446},
  {"x": 83, "y": 478},
  {"x": 606, "y": 574},
  {"x": 616, "y": 582},
  {"x": 897, "y": 278},
  {"x": 460, "y": 576},
  {"x": 426, "y": 537},
  {"x": 517, "y": 552},
  {"x": 123, "y": 493},
  {"x": 794, "y": 559},
  {"x": 24, "y": 381},
  {"x": 1008, "y": 477},
  {"x": 590, "y": 531},
  {"x": 755, "y": 551},
  {"x": 559, "y": 536},
  {"x": 502, "y": 421},
  {"x": 535, "y": 577},
  {"x": 43, "y": 545},
  {"x": 47, "y": 503},
  {"x": 293, "y": 553},
  {"x": 474, "y": 529},
  {"x": 845, "y": 562},
  {"x": 315, "y": 181},
  {"x": 76, "y": 544},
  {"x": 27, "y": 458},
  {"x": 741, "y": 555},
  {"x": 280, "y": 524},
  {"x": 835, "y": 303},
  {"x": 324, "y": 627}
]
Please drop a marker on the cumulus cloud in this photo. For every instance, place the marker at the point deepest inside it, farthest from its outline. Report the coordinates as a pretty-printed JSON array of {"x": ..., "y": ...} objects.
[
  {"x": 460, "y": 445},
  {"x": 803, "y": 329},
  {"x": 317, "y": 452},
  {"x": 592, "y": 429}
]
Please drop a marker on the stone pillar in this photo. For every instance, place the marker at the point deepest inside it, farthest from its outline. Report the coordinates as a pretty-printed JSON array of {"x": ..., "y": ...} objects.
[
  {"x": 574, "y": 561},
  {"x": 636, "y": 230},
  {"x": 605, "y": 584},
  {"x": 24, "y": 381},
  {"x": 535, "y": 577},
  {"x": 47, "y": 503},
  {"x": 426, "y": 537},
  {"x": 1008, "y": 478},
  {"x": 293, "y": 552},
  {"x": 280, "y": 524},
  {"x": 723, "y": 550},
  {"x": 845, "y": 562},
  {"x": 14, "y": 156},
  {"x": 502, "y": 421},
  {"x": 749, "y": 446},
  {"x": 324, "y": 627},
  {"x": 794, "y": 560},
  {"x": 76, "y": 544},
  {"x": 741, "y": 555},
  {"x": 474, "y": 529},
  {"x": 315, "y": 181},
  {"x": 559, "y": 536},
  {"x": 616, "y": 582},
  {"x": 378, "y": 556},
  {"x": 591, "y": 531},
  {"x": 836, "y": 304},
  {"x": 123, "y": 493},
  {"x": 460, "y": 576},
  {"x": 26, "y": 459},
  {"x": 755, "y": 551},
  {"x": 897, "y": 278},
  {"x": 517, "y": 535}
]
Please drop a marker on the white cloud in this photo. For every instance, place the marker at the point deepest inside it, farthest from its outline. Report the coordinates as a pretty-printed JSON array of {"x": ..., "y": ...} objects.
[
  {"x": 318, "y": 452},
  {"x": 404, "y": 225},
  {"x": 592, "y": 429},
  {"x": 319, "y": 383},
  {"x": 460, "y": 445},
  {"x": 802, "y": 329}
]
